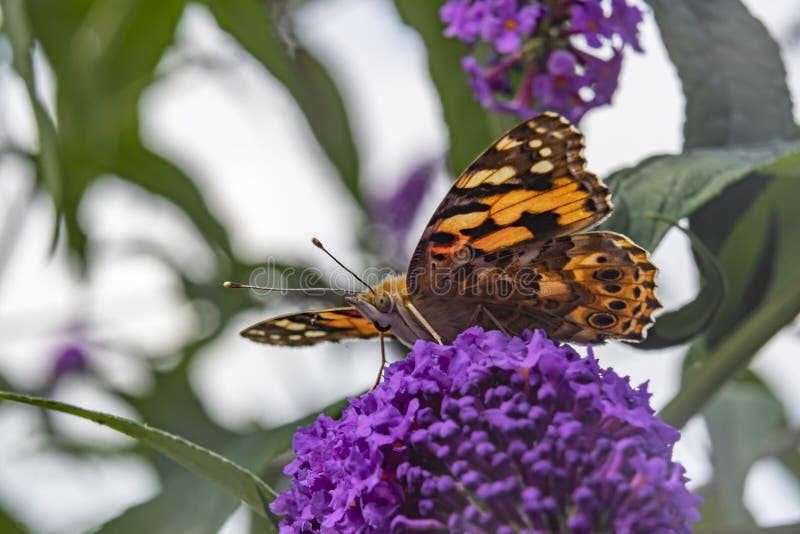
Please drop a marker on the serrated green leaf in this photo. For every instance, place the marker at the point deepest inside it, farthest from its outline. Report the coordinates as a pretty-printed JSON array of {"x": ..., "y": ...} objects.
[
  {"x": 675, "y": 186},
  {"x": 237, "y": 480},
  {"x": 731, "y": 70},
  {"x": 256, "y": 29},
  {"x": 679, "y": 326},
  {"x": 470, "y": 132}
]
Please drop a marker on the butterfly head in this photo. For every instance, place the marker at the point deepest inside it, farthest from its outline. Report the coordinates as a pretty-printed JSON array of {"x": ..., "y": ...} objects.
[{"x": 382, "y": 303}]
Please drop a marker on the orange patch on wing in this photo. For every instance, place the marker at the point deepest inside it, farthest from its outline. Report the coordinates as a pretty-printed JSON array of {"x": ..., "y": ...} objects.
[
  {"x": 510, "y": 199},
  {"x": 461, "y": 221},
  {"x": 503, "y": 238}
]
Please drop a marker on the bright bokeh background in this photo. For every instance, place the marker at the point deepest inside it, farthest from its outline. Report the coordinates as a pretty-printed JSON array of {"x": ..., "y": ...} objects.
[{"x": 240, "y": 135}]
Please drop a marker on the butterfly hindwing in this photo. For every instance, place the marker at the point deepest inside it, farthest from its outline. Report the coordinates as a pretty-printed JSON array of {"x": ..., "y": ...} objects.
[
  {"x": 311, "y": 327},
  {"x": 584, "y": 288},
  {"x": 531, "y": 185}
]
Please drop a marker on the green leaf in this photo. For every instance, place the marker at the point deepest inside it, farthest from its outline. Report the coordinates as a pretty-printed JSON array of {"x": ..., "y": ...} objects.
[
  {"x": 470, "y": 131},
  {"x": 679, "y": 326},
  {"x": 731, "y": 70},
  {"x": 739, "y": 419},
  {"x": 235, "y": 479},
  {"x": 676, "y": 186},
  {"x": 256, "y": 29}
]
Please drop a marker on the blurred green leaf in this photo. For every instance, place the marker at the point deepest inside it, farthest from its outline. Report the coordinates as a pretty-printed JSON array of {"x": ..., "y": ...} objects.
[
  {"x": 234, "y": 478},
  {"x": 679, "y": 326},
  {"x": 712, "y": 222},
  {"x": 9, "y": 525},
  {"x": 781, "y": 200},
  {"x": 172, "y": 405},
  {"x": 748, "y": 257},
  {"x": 261, "y": 525},
  {"x": 256, "y": 29},
  {"x": 675, "y": 186},
  {"x": 760, "y": 257},
  {"x": 157, "y": 175},
  {"x": 175, "y": 508},
  {"x": 732, "y": 355},
  {"x": 16, "y": 23},
  {"x": 732, "y": 73},
  {"x": 103, "y": 55},
  {"x": 738, "y": 418},
  {"x": 470, "y": 131},
  {"x": 791, "y": 461}
]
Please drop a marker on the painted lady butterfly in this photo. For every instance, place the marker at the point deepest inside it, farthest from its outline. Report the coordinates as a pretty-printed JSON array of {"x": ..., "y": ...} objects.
[{"x": 504, "y": 250}]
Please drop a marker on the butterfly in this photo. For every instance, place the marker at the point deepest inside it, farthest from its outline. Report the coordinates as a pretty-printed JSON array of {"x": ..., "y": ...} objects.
[{"x": 506, "y": 250}]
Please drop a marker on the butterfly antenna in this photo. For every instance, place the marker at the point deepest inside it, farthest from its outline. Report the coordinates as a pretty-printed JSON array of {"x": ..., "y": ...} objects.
[
  {"x": 317, "y": 243},
  {"x": 236, "y": 285}
]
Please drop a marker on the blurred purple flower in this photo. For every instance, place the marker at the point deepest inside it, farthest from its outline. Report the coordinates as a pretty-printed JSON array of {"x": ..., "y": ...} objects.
[
  {"x": 490, "y": 434},
  {"x": 70, "y": 359},
  {"x": 559, "y": 87},
  {"x": 587, "y": 19},
  {"x": 513, "y": 71},
  {"x": 506, "y": 24},
  {"x": 395, "y": 213},
  {"x": 464, "y": 18},
  {"x": 625, "y": 21},
  {"x": 602, "y": 76}
]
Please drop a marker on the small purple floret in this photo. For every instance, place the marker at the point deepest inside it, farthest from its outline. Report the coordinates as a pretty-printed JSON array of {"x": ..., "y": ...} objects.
[{"x": 509, "y": 434}]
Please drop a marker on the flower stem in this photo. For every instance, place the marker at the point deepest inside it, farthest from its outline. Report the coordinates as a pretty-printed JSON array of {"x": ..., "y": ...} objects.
[{"x": 733, "y": 355}]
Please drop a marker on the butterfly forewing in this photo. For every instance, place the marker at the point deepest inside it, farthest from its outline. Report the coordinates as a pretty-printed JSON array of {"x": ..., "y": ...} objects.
[
  {"x": 311, "y": 327},
  {"x": 531, "y": 185},
  {"x": 502, "y": 250}
]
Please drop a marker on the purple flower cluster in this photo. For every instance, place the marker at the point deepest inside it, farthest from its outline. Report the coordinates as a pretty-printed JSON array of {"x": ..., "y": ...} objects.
[
  {"x": 490, "y": 434},
  {"x": 558, "y": 55}
]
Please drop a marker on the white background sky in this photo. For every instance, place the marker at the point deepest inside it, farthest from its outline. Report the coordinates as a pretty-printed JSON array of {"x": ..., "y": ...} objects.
[{"x": 238, "y": 133}]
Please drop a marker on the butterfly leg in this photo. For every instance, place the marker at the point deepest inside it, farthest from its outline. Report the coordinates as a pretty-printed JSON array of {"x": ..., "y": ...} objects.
[
  {"x": 490, "y": 315},
  {"x": 424, "y": 323},
  {"x": 383, "y": 363}
]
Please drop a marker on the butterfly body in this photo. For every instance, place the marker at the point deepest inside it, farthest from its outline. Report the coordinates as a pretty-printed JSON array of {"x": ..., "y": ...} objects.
[{"x": 505, "y": 250}]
